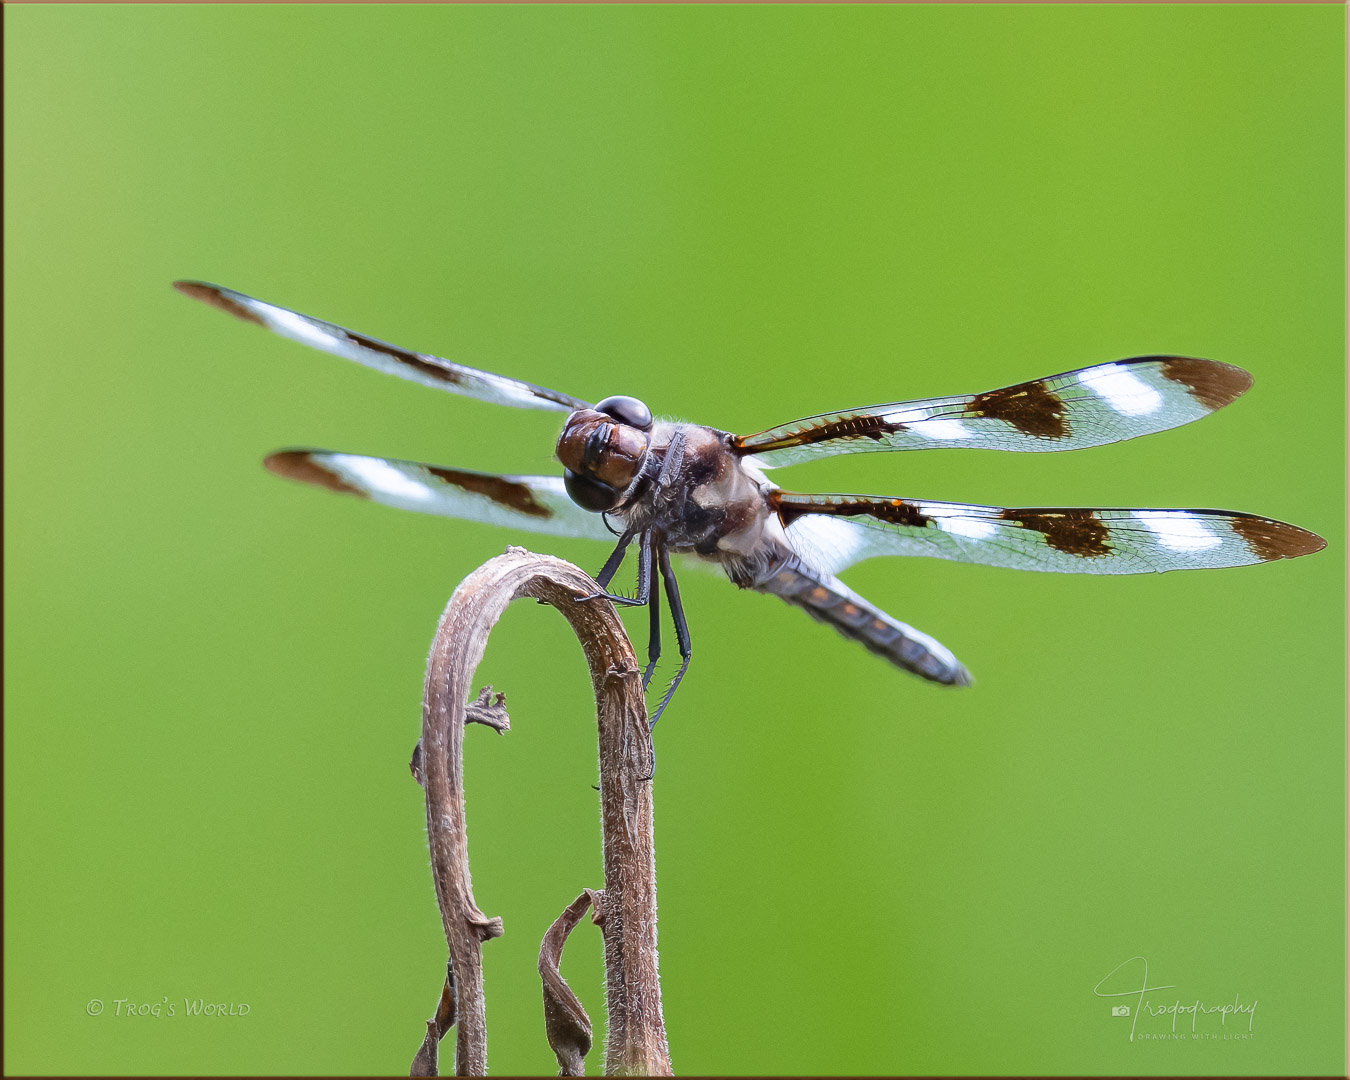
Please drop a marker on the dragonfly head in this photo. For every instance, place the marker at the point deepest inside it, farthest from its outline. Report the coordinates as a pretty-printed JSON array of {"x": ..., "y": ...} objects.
[{"x": 602, "y": 450}]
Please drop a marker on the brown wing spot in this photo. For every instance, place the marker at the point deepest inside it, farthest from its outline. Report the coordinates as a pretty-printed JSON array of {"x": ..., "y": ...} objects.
[
  {"x": 300, "y": 465},
  {"x": 1211, "y": 383},
  {"x": 404, "y": 356},
  {"x": 787, "y": 512},
  {"x": 508, "y": 493},
  {"x": 897, "y": 512},
  {"x": 1029, "y": 407},
  {"x": 1270, "y": 540},
  {"x": 850, "y": 427},
  {"x": 892, "y": 511},
  {"x": 209, "y": 294},
  {"x": 1074, "y": 532}
]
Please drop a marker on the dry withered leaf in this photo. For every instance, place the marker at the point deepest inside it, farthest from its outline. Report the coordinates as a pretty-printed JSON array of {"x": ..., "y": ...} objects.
[
  {"x": 415, "y": 765},
  {"x": 565, "y": 1022},
  {"x": 480, "y": 711},
  {"x": 426, "y": 1062}
]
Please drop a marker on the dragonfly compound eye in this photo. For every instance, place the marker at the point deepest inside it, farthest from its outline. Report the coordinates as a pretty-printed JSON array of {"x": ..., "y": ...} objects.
[
  {"x": 589, "y": 494},
  {"x": 627, "y": 410}
]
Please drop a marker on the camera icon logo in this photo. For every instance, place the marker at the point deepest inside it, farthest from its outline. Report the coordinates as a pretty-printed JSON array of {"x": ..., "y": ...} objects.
[{"x": 1120, "y": 1010}]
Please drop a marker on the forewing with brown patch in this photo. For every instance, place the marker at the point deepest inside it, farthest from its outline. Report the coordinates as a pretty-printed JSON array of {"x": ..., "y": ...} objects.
[
  {"x": 833, "y": 532},
  {"x": 433, "y": 371},
  {"x": 1088, "y": 407},
  {"x": 533, "y": 503}
]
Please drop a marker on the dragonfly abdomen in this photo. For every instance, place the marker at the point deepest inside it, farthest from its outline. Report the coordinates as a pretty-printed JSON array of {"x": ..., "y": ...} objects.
[{"x": 827, "y": 599}]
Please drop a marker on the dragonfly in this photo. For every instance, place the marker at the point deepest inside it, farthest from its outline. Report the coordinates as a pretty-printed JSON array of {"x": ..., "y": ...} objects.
[{"x": 671, "y": 488}]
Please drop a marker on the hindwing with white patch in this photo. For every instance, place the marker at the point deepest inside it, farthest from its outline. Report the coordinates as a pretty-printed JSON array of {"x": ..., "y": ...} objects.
[
  {"x": 1089, "y": 407},
  {"x": 836, "y": 531}
]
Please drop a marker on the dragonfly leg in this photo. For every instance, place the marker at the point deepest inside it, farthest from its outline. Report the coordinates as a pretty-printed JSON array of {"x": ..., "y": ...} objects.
[
  {"x": 615, "y": 559},
  {"x": 644, "y": 575},
  {"x": 653, "y": 640},
  {"x": 681, "y": 630}
]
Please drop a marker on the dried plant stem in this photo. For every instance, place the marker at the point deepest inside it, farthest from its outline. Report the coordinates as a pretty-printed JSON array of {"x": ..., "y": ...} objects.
[{"x": 637, "y": 1040}]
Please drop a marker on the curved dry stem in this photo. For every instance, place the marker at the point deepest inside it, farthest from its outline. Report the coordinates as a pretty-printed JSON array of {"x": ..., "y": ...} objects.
[{"x": 637, "y": 1039}]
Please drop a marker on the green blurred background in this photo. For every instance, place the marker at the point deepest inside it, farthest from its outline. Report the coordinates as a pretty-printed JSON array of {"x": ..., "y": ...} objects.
[{"x": 742, "y": 215}]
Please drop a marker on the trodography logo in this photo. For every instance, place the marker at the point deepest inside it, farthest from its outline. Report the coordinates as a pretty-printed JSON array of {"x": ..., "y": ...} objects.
[{"x": 1135, "y": 997}]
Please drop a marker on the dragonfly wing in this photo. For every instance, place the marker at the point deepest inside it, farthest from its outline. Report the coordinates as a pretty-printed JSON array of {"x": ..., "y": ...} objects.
[
  {"x": 433, "y": 371},
  {"x": 836, "y": 531},
  {"x": 533, "y": 503},
  {"x": 1101, "y": 404}
]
